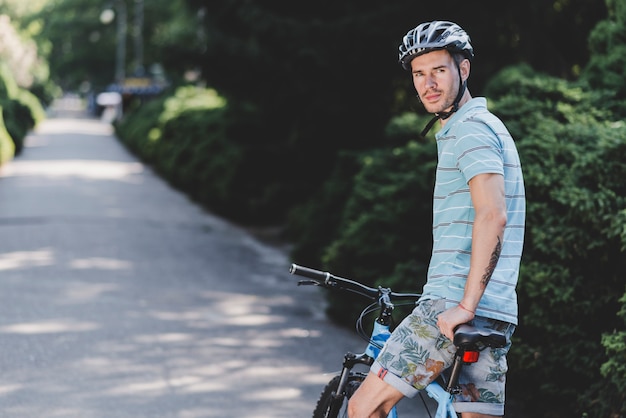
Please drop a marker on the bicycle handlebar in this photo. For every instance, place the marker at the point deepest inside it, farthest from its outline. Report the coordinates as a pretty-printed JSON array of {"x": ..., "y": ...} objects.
[
  {"x": 317, "y": 275},
  {"x": 330, "y": 281}
]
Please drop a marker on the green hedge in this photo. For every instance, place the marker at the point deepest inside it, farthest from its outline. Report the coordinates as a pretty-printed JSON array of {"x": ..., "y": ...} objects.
[
  {"x": 219, "y": 153},
  {"x": 571, "y": 274},
  {"x": 22, "y": 110},
  {"x": 614, "y": 369},
  {"x": 7, "y": 148},
  {"x": 190, "y": 138}
]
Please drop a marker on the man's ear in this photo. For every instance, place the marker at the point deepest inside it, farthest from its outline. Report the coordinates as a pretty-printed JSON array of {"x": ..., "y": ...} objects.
[{"x": 464, "y": 67}]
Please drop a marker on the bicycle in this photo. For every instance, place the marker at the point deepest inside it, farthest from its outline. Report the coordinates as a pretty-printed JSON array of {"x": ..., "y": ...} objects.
[{"x": 333, "y": 400}]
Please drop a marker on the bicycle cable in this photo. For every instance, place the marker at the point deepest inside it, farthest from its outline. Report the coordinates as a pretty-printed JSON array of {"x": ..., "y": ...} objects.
[{"x": 360, "y": 330}]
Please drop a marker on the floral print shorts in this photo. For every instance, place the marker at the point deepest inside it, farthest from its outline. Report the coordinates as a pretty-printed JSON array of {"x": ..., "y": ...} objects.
[{"x": 416, "y": 353}]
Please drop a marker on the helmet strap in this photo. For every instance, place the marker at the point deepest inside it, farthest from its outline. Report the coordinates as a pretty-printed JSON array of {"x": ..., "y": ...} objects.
[{"x": 429, "y": 125}]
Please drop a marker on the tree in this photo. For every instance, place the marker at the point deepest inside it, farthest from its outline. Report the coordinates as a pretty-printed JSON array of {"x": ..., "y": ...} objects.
[
  {"x": 20, "y": 54},
  {"x": 82, "y": 46}
]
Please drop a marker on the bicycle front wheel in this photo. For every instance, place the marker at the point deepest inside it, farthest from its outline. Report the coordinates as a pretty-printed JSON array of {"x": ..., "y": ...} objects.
[{"x": 323, "y": 407}]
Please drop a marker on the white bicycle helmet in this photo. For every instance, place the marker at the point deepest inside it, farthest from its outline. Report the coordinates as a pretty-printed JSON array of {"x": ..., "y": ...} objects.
[{"x": 432, "y": 36}]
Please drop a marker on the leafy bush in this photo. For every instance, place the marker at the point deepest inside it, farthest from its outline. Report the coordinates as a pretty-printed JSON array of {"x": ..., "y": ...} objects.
[
  {"x": 220, "y": 154},
  {"x": 22, "y": 110},
  {"x": 606, "y": 69},
  {"x": 140, "y": 129},
  {"x": 311, "y": 226},
  {"x": 7, "y": 148},
  {"x": 371, "y": 216},
  {"x": 615, "y": 368},
  {"x": 18, "y": 121},
  {"x": 572, "y": 157},
  {"x": 569, "y": 280},
  {"x": 202, "y": 160},
  {"x": 384, "y": 236}
]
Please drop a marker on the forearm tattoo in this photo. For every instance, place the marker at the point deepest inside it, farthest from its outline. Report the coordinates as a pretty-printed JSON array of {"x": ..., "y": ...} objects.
[{"x": 495, "y": 256}]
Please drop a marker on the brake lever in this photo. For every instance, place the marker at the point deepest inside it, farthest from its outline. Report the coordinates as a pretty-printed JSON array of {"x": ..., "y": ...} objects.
[{"x": 308, "y": 282}]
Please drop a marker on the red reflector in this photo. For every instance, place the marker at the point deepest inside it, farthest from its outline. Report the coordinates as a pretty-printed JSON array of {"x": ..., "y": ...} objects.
[{"x": 470, "y": 356}]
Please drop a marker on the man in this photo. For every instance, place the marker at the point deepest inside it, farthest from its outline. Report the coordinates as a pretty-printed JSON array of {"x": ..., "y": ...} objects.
[{"x": 478, "y": 230}]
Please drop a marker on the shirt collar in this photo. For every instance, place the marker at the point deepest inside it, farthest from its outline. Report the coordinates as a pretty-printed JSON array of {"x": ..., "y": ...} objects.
[{"x": 459, "y": 115}]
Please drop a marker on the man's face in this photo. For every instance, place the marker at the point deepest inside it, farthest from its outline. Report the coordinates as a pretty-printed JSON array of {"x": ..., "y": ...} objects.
[{"x": 436, "y": 80}]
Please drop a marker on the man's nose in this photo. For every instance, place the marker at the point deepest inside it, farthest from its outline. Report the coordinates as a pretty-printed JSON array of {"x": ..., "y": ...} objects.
[{"x": 429, "y": 81}]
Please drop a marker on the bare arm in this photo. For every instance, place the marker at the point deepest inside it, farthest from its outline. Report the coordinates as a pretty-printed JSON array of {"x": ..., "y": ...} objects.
[{"x": 487, "y": 192}]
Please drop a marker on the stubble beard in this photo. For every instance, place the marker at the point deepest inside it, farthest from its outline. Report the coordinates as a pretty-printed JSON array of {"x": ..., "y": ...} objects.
[{"x": 437, "y": 107}]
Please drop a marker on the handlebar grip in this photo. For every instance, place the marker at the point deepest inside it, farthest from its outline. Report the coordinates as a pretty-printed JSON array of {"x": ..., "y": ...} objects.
[{"x": 317, "y": 275}]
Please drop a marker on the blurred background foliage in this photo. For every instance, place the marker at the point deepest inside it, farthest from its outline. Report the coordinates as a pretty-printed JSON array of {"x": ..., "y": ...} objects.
[
  {"x": 296, "y": 118},
  {"x": 23, "y": 70}
]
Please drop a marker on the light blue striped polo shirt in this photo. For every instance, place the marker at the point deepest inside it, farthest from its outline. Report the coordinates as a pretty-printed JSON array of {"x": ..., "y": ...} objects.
[{"x": 472, "y": 142}]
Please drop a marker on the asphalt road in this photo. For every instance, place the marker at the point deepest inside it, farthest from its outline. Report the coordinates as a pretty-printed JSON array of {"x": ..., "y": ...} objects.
[{"x": 119, "y": 297}]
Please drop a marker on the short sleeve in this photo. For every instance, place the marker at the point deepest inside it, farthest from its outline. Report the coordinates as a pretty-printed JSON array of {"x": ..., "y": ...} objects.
[{"x": 478, "y": 150}]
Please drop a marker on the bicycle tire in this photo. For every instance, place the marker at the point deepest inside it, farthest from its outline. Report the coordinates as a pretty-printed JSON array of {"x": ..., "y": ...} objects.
[{"x": 322, "y": 409}]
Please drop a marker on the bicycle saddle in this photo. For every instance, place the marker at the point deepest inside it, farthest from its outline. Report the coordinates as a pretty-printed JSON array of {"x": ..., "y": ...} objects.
[{"x": 469, "y": 337}]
